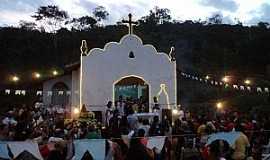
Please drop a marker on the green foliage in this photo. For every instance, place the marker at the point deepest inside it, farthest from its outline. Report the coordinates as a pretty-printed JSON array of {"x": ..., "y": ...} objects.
[
  {"x": 27, "y": 25},
  {"x": 82, "y": 23},
  {"x": 201, "y": 48},
  {"x": 100, "y": 13},
  {"x": 51, "y": 17},
  {"x": 215, "y": 19},
  {"x": 156, "y": 16},
  {"x": 50, "y": 12}
]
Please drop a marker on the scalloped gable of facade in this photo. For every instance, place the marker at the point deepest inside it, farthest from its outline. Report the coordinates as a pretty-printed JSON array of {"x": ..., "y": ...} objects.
[
  {"x": 128, "y": 42},
  {"x": 103, "y": 67}
]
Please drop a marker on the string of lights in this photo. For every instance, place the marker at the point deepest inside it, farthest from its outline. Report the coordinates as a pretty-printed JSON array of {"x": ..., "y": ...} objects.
[{"x": 226, "y": 82}]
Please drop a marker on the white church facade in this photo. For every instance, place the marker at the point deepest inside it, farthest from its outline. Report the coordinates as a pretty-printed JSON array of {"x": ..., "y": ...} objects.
[{"x": 125, "y": 67}]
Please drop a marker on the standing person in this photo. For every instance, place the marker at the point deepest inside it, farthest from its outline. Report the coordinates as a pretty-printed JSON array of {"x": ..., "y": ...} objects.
[
  {"x": 178, "y": 131},
  {"x": 166, "y": 126},
  {"x": 145, "y": 126},
  {"x": 124, "y": 125},
  {"x": 137, "y": 151},
  {"x": 241, "y": 144},
  {"x": 156, "y": 106},
  {"x": 108, "y": 113},
  {"x": 120, "y": 105},
  {"x": 155, "y": 128},
  {"x": 114, "y": 125},
  {"x": 132, "y": 120}
]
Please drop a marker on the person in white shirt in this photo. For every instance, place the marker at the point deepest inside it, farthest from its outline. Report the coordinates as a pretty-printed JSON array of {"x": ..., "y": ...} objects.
[{"x": 145, "y": 126}]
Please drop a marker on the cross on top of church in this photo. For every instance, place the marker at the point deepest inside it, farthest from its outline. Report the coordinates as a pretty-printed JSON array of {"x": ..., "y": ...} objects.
[{"x": 130, "y": 23}]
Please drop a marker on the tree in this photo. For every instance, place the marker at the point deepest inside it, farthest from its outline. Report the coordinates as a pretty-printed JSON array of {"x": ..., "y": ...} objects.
[
  {"x": 162, "y": 14},
  {"x": 100, "y": 13},
  {"x": 157, "y": 16},
  {"x": 238, "y": 22},
  {"x": 83, "y": 23},
  {"x": 27, "y": 25},
  {"x": 215, "y": 19},
  {"x": 51, "y": 17},
  {"x": 263, "y": 25}
]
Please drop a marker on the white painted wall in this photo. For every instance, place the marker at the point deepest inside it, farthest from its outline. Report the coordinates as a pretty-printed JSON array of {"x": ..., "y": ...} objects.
[
  {"x": 75, "y": 94},
  {"x": 47, "y": 86},
  {"x": 103, "y": 67}
]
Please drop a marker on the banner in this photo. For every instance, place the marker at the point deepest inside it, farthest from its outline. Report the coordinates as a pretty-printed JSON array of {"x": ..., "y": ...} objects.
[
  {"x": 96, "y": 147},
  {"x": 156, "y": 142},
  {"x": 17, "y": 148},
  {"x": 229, "y": 137},
  {"x": 4, "y": 151}
]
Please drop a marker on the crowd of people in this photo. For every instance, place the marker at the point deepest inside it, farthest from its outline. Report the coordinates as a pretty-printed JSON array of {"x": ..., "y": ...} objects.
[{"x": 187, "y": 130}]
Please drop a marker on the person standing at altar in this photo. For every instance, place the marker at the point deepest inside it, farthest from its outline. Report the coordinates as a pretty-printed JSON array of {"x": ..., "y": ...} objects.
[
  {"x": 120, "y": 105},
  {"x": 132, "y": 120},
  {"x": 155, "y": 128},
  {"x": 114, "y": 125},
  {"x": 156, "y": 106},
  {"x": 108, "y": 113}
]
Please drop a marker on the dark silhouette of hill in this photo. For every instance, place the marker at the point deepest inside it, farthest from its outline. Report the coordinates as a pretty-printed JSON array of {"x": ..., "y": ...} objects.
[{"x": 216, "y": 49}]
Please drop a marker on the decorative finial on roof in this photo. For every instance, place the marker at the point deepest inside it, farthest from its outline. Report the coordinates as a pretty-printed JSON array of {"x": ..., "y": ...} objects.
[
  {"x": 84, "y": 48},
  {"x": 172, "y": 54},
  {"x": 130, "y": 23}
]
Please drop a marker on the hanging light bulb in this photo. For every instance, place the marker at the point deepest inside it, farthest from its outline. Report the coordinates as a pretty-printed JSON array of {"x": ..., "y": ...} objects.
[
  {"x": 37, "y": 75},
  {"x": 226, "y": 79},
  {"x": 247, "y": 82},
  {"x": 15, "y": 78},
  {"x": 55, "y": 73}
]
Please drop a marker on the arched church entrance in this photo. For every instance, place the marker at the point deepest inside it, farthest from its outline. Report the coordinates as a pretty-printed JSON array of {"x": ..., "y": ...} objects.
[{"x": 133, "y": 89}]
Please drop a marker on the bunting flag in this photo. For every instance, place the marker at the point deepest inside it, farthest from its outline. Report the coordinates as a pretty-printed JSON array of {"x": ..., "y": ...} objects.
[
  {"x": 226, "y": 85},
  {"x": 23, "y": 92},
  {"x": 69, "y": 93},
  {"x": 229, "y": 137},
  {"x": 4, "y": 151},
  {"x": 39, "y": 93},
  {"x": 17, "y": 148},
  {"x": 7, "y": 91},
  {"x": 259, "y": 89},
  {"x": 156, "y": 142},
  {"x": 94, "y": 147},
  {"x": 17, "y": 92},
  {"x": 243, "y": 87},
  {"x": 235, "y": 86},
  {"x": 60, "y": 92},
  {"x": 49, "y": 93}
]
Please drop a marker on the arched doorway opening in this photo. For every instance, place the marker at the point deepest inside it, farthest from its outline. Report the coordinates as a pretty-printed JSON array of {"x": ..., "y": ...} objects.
[
  {"x": 132, "y": 89},
  {"x": 59, "y": 94}
]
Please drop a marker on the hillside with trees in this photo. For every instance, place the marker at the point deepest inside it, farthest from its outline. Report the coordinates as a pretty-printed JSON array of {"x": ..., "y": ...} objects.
[{"x": 202, "y": 47}]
